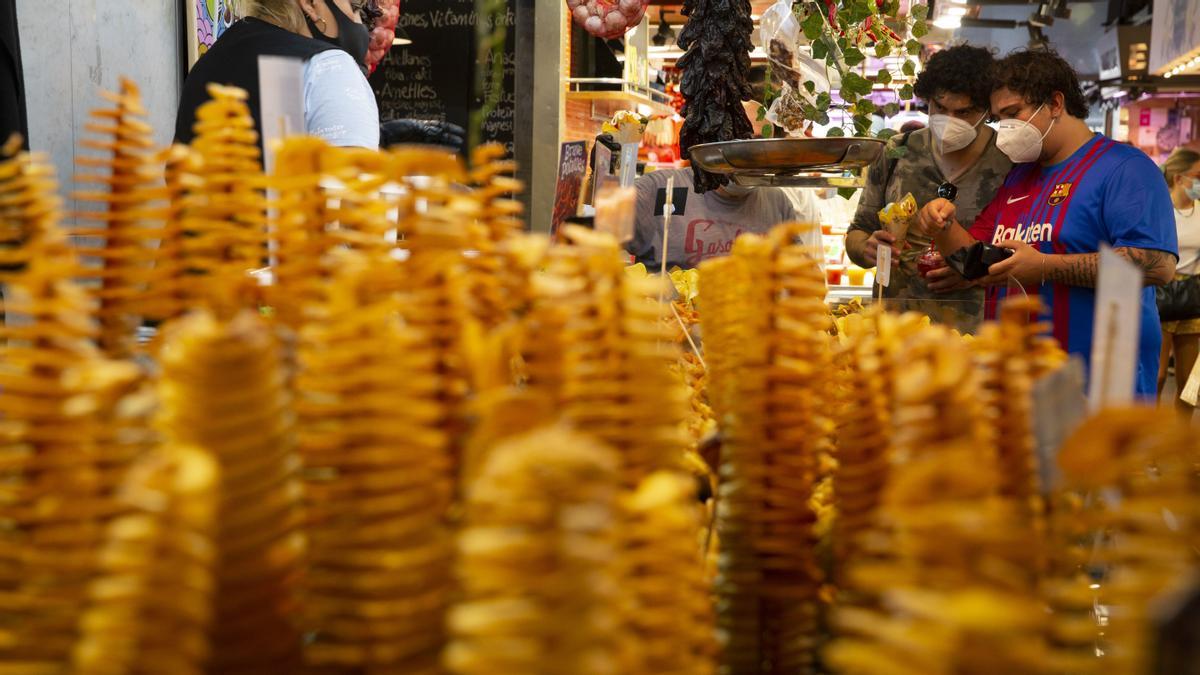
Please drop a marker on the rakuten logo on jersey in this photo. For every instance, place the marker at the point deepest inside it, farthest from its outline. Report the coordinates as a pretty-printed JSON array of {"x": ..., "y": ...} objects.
[{"x": 1030, "y": 234}]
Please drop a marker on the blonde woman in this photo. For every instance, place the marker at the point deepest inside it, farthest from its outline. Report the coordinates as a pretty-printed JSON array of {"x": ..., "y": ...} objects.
[
  {"x": 331, "y": 40},
  {"x": 1182, "y": 338}
]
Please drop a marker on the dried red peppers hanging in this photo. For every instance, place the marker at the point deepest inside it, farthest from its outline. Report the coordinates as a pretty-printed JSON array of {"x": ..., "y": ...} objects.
[{"x": 715, "y": 77}]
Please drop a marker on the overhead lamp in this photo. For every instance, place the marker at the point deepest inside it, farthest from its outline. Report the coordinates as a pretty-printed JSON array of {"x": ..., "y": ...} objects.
[
  {"x": 948, "y": 21},
  {"x": 665, "y": 34},
  {"x": 401, "y": 38},
  {"x": 955, "y": 11}
]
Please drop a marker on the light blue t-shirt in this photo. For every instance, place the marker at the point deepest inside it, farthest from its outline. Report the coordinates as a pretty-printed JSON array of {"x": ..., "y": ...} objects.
[{"x": 339, "y": 105}]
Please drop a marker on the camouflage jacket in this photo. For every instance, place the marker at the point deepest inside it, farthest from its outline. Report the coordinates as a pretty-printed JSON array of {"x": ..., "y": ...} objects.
[{"x": 918, "y": 173}]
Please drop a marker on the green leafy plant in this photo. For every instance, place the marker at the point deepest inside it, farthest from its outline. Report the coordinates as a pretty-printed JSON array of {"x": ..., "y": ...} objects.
[{"x": 842, "y": 33}]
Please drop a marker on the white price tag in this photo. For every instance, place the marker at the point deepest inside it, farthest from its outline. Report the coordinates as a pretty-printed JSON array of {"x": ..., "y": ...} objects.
[
  {"x": 629, "y": 157},
  {"x": 1115, "y": 332},
  {"x": 883, "y": 270},
  {"x": 1058, "y": 408},
  {"x": 281, "y": 101},
  {"x": 1191, "y": 390}
]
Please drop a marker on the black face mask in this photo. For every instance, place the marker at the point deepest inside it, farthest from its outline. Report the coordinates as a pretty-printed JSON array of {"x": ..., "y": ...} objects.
[{"x": 352, "y": 37}]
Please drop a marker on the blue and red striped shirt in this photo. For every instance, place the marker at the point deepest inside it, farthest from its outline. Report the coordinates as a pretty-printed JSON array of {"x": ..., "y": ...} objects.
[{"x": 1106, "y": 192}]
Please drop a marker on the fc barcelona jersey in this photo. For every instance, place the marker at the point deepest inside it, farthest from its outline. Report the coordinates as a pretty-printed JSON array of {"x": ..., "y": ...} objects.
[{"x": 1106, "y": 192}]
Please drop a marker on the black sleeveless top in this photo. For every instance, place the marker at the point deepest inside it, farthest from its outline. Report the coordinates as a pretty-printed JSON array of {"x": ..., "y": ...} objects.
[{"x": 233, "y": 60}]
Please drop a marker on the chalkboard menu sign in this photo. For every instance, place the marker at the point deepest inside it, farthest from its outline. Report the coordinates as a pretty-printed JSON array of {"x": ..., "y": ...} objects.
[{"x": 434, "y": 77}]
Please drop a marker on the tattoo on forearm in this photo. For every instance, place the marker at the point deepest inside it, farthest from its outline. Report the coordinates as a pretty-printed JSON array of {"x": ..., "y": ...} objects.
[
  {"x": 1082, "y": 269},
  {"x": 1152, "y": 263},
  {"x": 1078, "y": 269}
]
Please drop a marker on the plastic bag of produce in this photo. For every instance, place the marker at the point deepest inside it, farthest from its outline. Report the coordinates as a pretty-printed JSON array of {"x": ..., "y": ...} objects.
[
  {"x": 781, "y": 37},
  {"x": 787, "y": 110}
]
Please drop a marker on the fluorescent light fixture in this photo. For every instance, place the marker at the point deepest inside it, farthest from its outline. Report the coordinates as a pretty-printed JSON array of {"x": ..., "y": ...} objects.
[
  {"x": 948, "y": 22},
  {"x": 955, "y": 11}
]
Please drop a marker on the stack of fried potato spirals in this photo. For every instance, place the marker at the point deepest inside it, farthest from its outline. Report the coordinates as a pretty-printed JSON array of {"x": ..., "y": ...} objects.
[
  {"x": 769, "y": 357},
  {"x": 224, "y": 393},
  {"x": 538, "y": 561},
  {"x": 377, "y": 476},
  {"x": 443, "y": 445},
  {"x": 126, "y": 219}
]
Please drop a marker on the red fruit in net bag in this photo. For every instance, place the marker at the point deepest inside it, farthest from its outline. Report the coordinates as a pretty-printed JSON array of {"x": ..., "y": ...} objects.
[
  {"x": 607, "y": 19},
  {"x": 929, "y": 261},
  {"x": 383, "y": 33}
]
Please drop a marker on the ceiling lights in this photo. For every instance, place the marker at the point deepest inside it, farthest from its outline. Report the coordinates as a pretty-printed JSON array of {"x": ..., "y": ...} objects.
[{"x": 1183, "y": 67}]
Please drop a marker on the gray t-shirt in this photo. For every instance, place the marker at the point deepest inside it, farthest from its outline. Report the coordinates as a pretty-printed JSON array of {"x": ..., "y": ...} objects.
[
  {"x": 704, "y": 226},
  {"x": 917, "y": 172}
]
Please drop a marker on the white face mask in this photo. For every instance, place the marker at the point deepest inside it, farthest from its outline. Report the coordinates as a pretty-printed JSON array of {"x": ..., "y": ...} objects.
[
  {"x": 1020, "y": 140},
  {"x": 1193, "y": 192},
  {"x": 952, "y": 133}
]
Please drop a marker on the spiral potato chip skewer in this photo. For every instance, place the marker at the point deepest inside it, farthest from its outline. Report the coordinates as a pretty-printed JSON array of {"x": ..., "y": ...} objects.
[
  {"x": 57, "y": 476},
  {"x": 673, "y": 619},
  {"x": 299, "y": 232},
  {"x": 223, "y": 392},
  {"x": 377, "y": 480},
  {"x": 223, "y": 211},
  {"x": 1139, "y": 464},
  {"x": 960, "y": 550},
  {"x": 29, "y": 204},
  {"x": 540, "y": 517},
  {"x": 769, "y": 355},
  {"x": 149, "y": 609},
  {"x": 495, "y": 186},
  {"x": 122, "y": 231},
  {"x": 618, "y": 382}
]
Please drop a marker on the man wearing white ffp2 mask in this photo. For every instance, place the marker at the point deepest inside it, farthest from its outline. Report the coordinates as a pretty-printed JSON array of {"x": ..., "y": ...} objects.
[
  {"x": 1071, "y": 192},
  {"x": 952, "y": 133},
  {"x": 1020, "y": 139}
]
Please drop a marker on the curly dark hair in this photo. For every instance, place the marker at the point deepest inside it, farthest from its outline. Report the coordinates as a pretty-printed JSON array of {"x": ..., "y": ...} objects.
[
  {"x": 961, "y": 69},
  {"x": 1037, "y": 74}
]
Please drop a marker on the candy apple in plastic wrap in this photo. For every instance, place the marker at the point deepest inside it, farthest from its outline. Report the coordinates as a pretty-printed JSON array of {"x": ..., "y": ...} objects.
[{"x": 607, "y": 19}]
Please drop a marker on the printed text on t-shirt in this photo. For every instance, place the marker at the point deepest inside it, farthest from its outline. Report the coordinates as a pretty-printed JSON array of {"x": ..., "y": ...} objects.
[
  {"x": 1030, "y": 234},
  {"x": 699, "y": 249}
]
